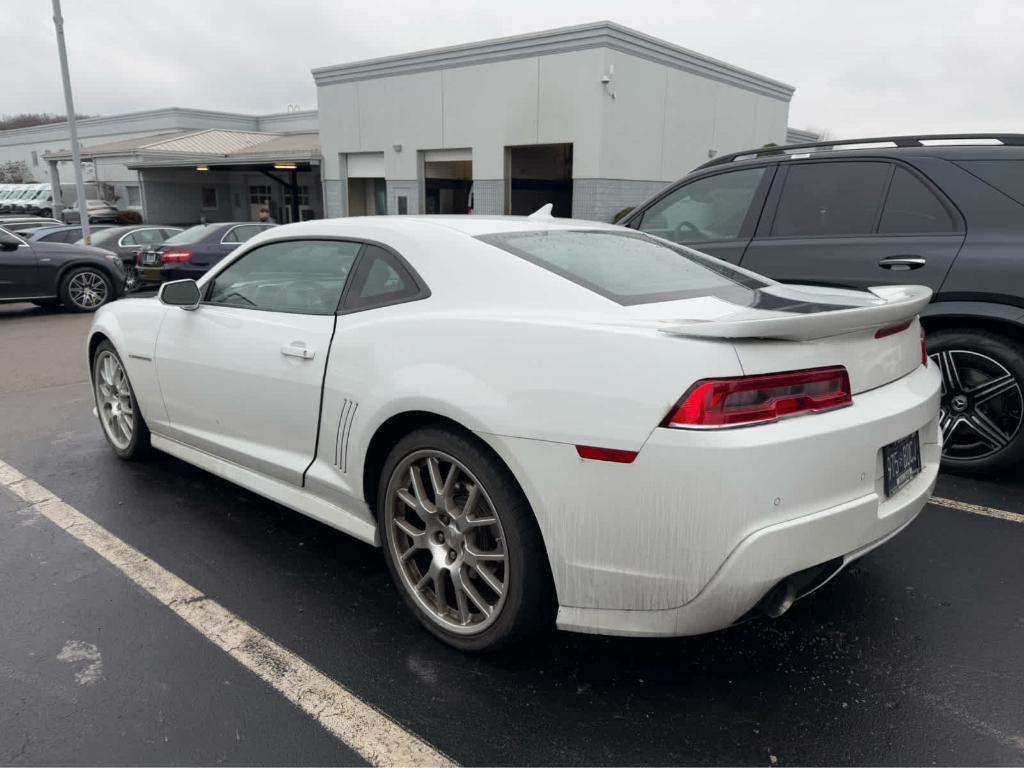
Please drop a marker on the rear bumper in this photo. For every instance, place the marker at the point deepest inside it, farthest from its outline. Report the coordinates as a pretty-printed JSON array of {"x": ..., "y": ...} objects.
[{"x": 690, "y": 536}]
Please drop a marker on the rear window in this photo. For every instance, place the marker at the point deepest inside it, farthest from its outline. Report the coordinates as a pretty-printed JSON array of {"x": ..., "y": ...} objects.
[
  {"x": 628, "y": 268},
  {"x": 190, "y": 235},
  {"x": 1005, "y": 175}
]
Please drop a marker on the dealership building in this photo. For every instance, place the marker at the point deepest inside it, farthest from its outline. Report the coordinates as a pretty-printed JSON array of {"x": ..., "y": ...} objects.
[{"x": 592, "y": 119}]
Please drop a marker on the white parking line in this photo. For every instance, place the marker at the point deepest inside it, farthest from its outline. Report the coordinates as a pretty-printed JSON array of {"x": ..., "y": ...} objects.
[
  {"x": 376, "y": 737},
  {"x": 975, "y": 509}
]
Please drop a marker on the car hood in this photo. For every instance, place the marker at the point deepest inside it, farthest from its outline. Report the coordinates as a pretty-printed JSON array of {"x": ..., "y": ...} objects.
[{"x": 68, "y": 249}]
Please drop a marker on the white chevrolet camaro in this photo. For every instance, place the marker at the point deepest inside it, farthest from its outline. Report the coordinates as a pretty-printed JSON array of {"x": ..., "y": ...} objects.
[{"x": 539, "y": 420}]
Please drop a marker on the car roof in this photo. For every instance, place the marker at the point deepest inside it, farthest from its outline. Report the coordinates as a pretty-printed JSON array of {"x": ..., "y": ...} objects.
[
  {"x": 948, "y": 146},
  {"x": 472, "y": 225}
]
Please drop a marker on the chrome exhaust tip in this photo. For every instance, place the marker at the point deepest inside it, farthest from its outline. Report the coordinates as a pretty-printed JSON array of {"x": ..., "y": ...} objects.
[{"x": 780, "y": 599}]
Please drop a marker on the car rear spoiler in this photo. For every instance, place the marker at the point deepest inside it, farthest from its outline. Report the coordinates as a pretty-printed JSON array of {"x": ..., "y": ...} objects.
[{"x": 853, "y": 311}]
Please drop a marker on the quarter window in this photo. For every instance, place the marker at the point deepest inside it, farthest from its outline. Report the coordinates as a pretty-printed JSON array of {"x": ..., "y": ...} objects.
[
  {"x": 303, "y": 277},
  {"x": 913, "y": 208},
  {"x": 706, "y": 210},
  {"x": 242, "y": 233},
  {"x": 831, "y": 199},
  {"x": 380, "y": 280}
]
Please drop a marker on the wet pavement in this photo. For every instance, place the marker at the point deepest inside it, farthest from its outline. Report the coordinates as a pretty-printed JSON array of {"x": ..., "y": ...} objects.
[{"x": 913, "y": 656}]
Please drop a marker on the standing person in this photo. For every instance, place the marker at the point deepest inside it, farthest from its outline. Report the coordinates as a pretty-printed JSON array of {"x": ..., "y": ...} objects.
[{"x": 264, "y": 216}]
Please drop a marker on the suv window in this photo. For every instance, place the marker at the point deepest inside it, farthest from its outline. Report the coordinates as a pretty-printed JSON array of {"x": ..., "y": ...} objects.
[
  {"x": 303, "y": 277},
  {"x": 705, "y": 210},
  {"x": 380, "y": 280},
  {"x": 1005, "y": 175},
  {"x": 911, "y": 207},
  {"x": 830, "y": 199}
]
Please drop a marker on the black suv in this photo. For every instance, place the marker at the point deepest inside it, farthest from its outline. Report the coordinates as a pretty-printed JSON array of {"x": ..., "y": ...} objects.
[{"x": 942, "y": 211}]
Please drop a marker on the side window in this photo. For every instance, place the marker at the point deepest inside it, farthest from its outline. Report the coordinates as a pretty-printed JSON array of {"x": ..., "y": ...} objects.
[
  {"x": 705, "y": 210},
  {"x": 242, "y": 233},
  {"x": 913, "y": 208},
  {"x": 380, "y": 280},
  {"x": 148, "y": 236},
  {"x": 831, "y": 199},
  {"x": 303, "y": 277}
]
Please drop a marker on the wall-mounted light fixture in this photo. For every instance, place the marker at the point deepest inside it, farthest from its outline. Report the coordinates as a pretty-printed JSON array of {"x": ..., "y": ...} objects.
[
  {"x": 606, "y": 81},
  {"x": 202, "y": 168},
  {"x": 396, "y": 147},
  {"x": 285, "y": 166}
]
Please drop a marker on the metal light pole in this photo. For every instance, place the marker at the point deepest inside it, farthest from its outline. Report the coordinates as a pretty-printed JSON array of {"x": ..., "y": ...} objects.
[{"x": 83, "y": 209}]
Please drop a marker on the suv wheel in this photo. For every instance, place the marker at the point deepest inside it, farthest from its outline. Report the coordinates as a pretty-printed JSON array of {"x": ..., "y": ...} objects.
[
  {"x": 85, "y": 289},
  {"x": 982, "y": 411}
]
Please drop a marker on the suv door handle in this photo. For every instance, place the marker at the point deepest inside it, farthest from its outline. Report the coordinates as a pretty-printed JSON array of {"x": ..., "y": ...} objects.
[
  {"x": 902, "y": 262},
  {"x": 298, "y": 349}
]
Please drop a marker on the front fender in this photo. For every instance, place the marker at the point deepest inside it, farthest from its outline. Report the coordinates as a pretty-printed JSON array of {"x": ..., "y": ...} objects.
[{"x": 132, "y": 325}]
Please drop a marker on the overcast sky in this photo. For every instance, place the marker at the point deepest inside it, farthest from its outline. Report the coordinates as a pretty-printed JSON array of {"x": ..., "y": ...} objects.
[{"x": 860, "y": 67}]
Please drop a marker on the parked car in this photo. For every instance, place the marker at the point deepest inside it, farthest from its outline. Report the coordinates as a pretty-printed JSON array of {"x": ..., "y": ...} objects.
[
  {"x": 100, "y": 211},
  {"x": 20, "y": 195},
  {"x": 47, "y": 274},
  {"x": 192, "y": 252},
  {"x": 539, "y": 420},
  {"x": 63, "y": 233},
  {"x": 26, "y": 224},
  {"x": 35, "y": 203},
  {"x": 943, "y": 211},
  {"x": 126, "y": 242}
]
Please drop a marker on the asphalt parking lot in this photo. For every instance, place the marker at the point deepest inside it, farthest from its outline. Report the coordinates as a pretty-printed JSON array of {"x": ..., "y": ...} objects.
[{"x": 913, "y": 656}]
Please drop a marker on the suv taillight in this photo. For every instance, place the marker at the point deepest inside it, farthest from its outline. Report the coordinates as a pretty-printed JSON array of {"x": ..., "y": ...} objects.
[
  {"x": 172, "y": 256},
  {"x": 743, "y": 400}
]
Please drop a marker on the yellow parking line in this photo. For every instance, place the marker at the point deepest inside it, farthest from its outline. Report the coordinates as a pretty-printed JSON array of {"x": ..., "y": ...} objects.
[
  {"x": 375, "y": 736},
  {"x": 976, "y": 509}
]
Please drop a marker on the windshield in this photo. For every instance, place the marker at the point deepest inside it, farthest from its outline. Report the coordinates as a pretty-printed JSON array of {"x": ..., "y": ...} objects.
[
  {"x": 628, "y": 268},
  {"x": 190, "y": 235}
]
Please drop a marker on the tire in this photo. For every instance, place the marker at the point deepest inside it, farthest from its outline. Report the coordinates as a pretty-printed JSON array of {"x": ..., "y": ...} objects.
[
  {"x": 108, "y": 390},
  {"x": 46, "y": 213},
  {"x": 85, "y": 289},
  {"x": 526, "y": 602},
  {"x": 982, "y": 412}
]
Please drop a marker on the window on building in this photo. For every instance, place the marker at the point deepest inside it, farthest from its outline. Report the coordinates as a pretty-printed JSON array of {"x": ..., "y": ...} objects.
[
  {"x": 831, "y": 199},
  {"x": 209, "y": 198},
  {"x": 259, "y": 194},
  {"x": 913, "y": 208},
  {"x": 35, "y": 158},
  {"x": 710, "y": 209},
  {"x": 134, "y": 194},
  {"x": 303, "y": 196}
]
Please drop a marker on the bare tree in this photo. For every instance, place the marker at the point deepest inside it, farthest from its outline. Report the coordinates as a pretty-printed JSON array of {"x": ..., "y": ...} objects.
[{"x": 15, "y": 172}]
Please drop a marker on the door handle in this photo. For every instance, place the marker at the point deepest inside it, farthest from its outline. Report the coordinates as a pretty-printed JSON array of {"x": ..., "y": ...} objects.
[
  {"x": 902, "y": 262},
  {"x": 298, "y": 349}
]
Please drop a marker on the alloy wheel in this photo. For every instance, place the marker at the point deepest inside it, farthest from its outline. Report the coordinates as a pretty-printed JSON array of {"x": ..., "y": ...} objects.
[
  {"x": 87, "y": 290},
  {"x": 114, "y": 400},
  {"x": 982, "y": 405},
  {"x": 446, "y": 541}
]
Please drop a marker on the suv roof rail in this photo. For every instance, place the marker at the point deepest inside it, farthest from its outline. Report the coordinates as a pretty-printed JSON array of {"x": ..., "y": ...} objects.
[{"x": 1007, "y": 139}]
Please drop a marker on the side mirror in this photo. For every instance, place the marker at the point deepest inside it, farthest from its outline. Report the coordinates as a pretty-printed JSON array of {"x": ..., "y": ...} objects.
[
  {"x": 9, "y": 245},
  {"x": 180, "y": 293}
]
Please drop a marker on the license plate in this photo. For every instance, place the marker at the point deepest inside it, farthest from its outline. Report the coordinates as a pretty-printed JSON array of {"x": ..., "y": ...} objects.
[
  {"x": 902, "y": 461},
  {"x": 150, "y": 258}
]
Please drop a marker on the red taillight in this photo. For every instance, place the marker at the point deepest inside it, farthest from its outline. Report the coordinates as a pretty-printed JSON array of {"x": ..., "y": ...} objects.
[
  {"x": 606, "y": 454},
  {"x": 760, "y": 399},
  {"x": 891, "y": 330},
  {"x": 924, "y": 351},
  {"x": 173, "y": 256}
]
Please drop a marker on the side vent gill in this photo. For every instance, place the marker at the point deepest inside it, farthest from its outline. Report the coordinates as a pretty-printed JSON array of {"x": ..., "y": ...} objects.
[{"x": 348, "y": 415}]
